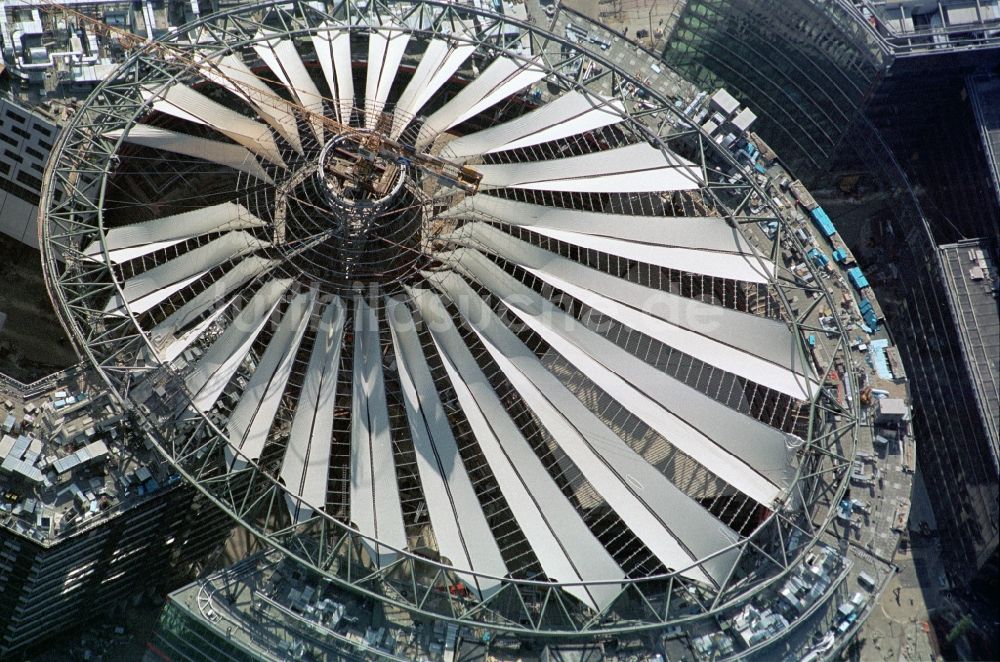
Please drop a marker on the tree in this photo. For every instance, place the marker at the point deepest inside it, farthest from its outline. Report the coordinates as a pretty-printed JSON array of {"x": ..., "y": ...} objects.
[{"x": 963, "y": 624}]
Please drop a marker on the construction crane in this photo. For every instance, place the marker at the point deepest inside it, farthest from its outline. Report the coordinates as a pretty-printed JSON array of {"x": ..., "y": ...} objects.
[{"x": 375, "y": 144}]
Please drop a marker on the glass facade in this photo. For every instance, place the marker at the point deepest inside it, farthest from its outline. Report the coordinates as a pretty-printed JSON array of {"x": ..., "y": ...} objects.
[
  {"x": 805, "y": 70},
  {"x": 181, "y": 637}
]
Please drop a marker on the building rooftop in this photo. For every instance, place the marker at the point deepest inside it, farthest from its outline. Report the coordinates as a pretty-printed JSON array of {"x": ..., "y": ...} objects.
[
  {"x": 46, "y": 48},
  {"x": 268, "y": 607},
  {"x": 971, "y": 275},
  {"x": 271, "y": 608},
  {"x": 915, "y": 23},
  {"x": 67, "y": 457},
  {"x": 760, "y": 349}
]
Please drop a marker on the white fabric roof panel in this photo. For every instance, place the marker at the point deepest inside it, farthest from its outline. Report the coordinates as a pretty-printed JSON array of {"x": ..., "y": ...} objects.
[
  {"x": 171, "y": 350},
  {"x": 720, "y": 265},
  {"x": 145, "y": 290},
  {"x": 498, "y": 81},
  {"x": 239, "y": 274},
  {"x": 131, "y": 241},
  {"x": 333, "y": 47},
  {"x": 698, "y": 233},
  {"x": 572, "y": 113},
  {"x": 306, "y": 465},
  {"x": 690, "y": 329},
  {"x": 233, "y": 156},
  {"x": 565, "y": 547},
  {"x": 375, "y": 506},
  {"x": 231, "y": 73},
  {"x": 701, "y": 347},
  {"x": 219, "y": 363},
  {"x": 437, "y": 65},
  {"x": 674, "y": 527},
  {"x": 632, "y": 169},
  {"x": 760, "y": 446},
  {"x": 142, "y": 304},
  {"x": 283, "y": 59},
  {"x": 767, "y": 339},
  {"x": 460, "y": 527},
  {"x": 385, "y": 52},
  {"x": 251, "y": 420},
  {"x": 609, "y": 366},
  {"x": 181, "y": 101},
  {"x": 640, "y": 238}
]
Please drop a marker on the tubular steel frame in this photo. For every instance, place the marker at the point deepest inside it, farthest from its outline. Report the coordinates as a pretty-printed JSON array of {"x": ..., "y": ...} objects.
[{"x": 71, "y": 214}]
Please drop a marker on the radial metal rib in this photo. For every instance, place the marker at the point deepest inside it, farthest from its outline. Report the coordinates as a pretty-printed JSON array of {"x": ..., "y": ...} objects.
[
  {"x": 209, "y": 376},
  {"x": 498, "y": 81},
  {"x": 128, "y": 242},
  {"x": 282, "y": 58},
  {"x": 145, "y": 290},
  {"x": 236, "y": 157},
  {"x": 699, "y": 245},
  {"x": 674, "y": 527},
  {"x": 333, "y": 47},
  {"x": 232, "y": 74},
  {"x": 439, "y": 63},
  {"x": 164, "y": 332},
  {"x": 755, "y": 347},
  {"x": 385, "y": 52},
  {"x": 179, "y": 100},
  {"x": 617, "y": 373}
]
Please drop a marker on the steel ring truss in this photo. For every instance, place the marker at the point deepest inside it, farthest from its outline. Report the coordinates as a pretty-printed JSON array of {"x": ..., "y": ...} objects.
[{"x": 494, "y": 341}]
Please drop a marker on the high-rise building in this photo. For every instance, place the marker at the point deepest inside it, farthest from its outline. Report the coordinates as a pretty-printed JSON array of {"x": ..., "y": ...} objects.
[
  {"x": 984, "y": 92},
  {"x": 27, "y": 139},
  {"x": 971, "y": 280},
  {"x": 808, "y": 69},
  {"x": 90, "y": 516},
  {"x": 812, "y": 69}
]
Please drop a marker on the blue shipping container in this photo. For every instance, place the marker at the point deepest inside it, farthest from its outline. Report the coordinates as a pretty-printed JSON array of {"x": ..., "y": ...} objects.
[
  {"x": 857, "y": 278},
  {"x": 823, "y": 222}
]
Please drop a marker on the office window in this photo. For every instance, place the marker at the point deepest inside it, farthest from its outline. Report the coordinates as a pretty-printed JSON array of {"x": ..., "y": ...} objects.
[{"x": 29, "y": 180}]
